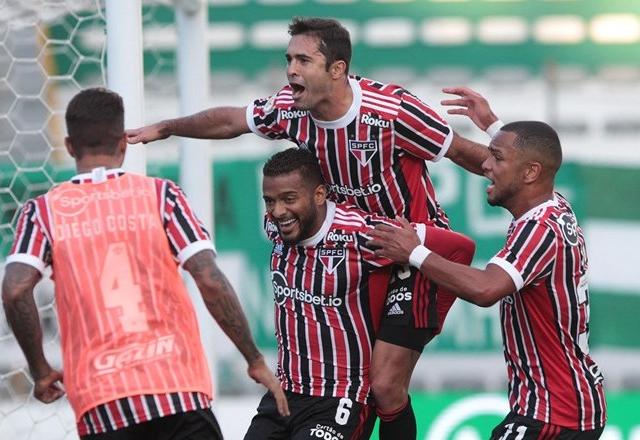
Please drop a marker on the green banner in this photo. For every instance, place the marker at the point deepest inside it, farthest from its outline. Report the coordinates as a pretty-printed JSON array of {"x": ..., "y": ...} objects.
[
  {"x": 239, "y": 235},
  {"x": 467, "y": 416}
]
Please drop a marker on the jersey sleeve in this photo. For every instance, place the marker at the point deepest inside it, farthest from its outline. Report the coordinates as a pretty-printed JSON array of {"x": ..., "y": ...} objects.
[
  {"x": 420, "y": 131},
  {"x": 31, "y": 245},
  {"x": 368, "y": 253},
  {"x": 186, "y": 233},
  {"x": 263, "y": 115},
  {"x": 528, "y": 253}
]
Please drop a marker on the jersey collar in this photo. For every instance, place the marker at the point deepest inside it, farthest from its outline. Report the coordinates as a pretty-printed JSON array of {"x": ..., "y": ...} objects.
[
  {"x": 97, "y": 175},
  {"x": 538, "y": 209},
  {"x": 326, "y": 225}
]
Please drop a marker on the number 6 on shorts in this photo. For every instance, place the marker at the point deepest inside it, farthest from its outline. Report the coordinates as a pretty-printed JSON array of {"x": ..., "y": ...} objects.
[{"x": 343, "y": 412}]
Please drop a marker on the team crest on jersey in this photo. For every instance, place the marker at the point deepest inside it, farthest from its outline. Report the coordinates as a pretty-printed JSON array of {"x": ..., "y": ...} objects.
[
  {"x": 331, "y": 258},
  {"x": 363, "y": 150},
  {"x": 569, "y": 227}
]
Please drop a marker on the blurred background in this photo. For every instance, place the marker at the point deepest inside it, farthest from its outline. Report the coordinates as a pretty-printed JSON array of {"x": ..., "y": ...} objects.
[{"x": 572, "y": 63}]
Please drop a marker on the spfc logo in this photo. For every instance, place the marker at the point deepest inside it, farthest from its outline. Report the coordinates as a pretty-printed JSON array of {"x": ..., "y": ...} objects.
[
  {"x": 569, "y": 228},
  {"x": 363, "y": 150},
  {"x": 331, "y": 258}
]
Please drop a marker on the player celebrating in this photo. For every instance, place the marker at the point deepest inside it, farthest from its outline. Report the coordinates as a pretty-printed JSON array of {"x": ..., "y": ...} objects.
[
  {"x": 327, "y": 304},
  {"x": 133, "y": 362},
  {"x": 372, "y": 141},
  {"x": 540, "y": 279}
]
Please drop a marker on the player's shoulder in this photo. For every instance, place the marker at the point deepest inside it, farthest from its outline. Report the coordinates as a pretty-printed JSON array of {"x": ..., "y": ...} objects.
[
  {"x": 372, "y": 87},
  {"x": 353, "y": 219}
]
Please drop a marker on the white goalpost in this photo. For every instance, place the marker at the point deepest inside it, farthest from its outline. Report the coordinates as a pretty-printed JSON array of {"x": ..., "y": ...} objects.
[{"x": 48, "y": 52}]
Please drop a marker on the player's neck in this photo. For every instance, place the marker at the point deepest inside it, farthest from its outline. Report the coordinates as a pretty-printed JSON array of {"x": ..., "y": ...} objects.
[
  {"x": 525, "y": 204},
  {"x": 89, "y": 162},
  {"x": 336, "y": 104}
]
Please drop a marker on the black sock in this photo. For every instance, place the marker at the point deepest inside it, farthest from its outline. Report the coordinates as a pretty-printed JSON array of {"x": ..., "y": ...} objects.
[{"x": 399, "y": 424}]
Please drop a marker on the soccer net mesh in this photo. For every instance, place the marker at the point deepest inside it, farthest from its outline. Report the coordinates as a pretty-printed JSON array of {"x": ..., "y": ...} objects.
[{"x": 49, "y": 51}]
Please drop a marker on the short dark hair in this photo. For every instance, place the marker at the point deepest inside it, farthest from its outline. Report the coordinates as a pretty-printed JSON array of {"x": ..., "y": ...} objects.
[
  {"x": 334, "y": 39},
  {"x": 95, "y": 121},
  {"x": 294, "y": 159},
  {"x": 538, "y": 138}
]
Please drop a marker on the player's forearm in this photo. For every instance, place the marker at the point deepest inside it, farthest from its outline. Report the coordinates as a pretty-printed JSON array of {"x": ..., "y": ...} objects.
[
  {"x": 467, "y": 154},
  {"x": 465, "y": 282},
  {"x": 222, "y": 303},
  {"x": 213, "y": 123},
  {"x": 22, "y": 315}
]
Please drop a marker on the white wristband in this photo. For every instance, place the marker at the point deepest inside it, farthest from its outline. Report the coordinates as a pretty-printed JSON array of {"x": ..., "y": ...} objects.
[
  {"x": 494, "y": 128},
  {"x": 418, "y": 255}
]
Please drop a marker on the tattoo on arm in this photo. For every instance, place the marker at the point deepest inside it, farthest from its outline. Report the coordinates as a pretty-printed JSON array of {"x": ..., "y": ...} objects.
[
  {"x": 222, "y": 302},
  {"x": 22, "y": 313}
]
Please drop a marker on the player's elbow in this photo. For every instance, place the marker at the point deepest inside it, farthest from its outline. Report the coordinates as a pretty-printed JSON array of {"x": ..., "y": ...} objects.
[{"x": 485, "y": 296}]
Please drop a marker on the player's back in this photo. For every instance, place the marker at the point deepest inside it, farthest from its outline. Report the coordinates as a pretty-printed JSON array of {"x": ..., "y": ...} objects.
[{"x": 127, "y": 323}]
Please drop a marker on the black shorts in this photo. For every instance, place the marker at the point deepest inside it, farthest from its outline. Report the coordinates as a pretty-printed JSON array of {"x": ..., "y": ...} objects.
[
  {"x": 519, "y": 427},
  {"x": 312, "y": 418},
  {"x": 401, "y": 323},
  {"x": 199, "y": 424}
]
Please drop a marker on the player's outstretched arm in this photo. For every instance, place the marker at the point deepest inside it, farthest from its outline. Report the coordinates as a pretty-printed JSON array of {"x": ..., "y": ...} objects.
[
  {"x": 223, "y": 305},
  {"x": 481, "y": 287},
  {"x": 22, "y": 315},
  {"x": 213, "y": 123}
]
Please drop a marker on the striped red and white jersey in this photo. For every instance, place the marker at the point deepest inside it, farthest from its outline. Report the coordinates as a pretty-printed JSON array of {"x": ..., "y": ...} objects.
[
  {"x": 545, "y": 324},
  {"x": 324, "y": 305},
  {"x": 374, "y": 156},
  {"x": 110, "y": 382}
]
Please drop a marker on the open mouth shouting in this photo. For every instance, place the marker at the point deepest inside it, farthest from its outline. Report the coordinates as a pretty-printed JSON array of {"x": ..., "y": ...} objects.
[{"x": 297, "y": 90}]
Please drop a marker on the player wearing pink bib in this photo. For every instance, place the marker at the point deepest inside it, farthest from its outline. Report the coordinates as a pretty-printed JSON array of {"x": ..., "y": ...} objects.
[{"x": 133, "y": 362}]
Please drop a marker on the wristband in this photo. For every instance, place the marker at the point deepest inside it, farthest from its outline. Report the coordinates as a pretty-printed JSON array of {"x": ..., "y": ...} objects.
[
  {"x": 418, "y": 255},
  {"x": 494, "y": 128}
]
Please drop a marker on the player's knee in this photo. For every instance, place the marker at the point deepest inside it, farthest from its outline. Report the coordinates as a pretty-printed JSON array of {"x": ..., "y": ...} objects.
[{"x": 388, "y": 392}]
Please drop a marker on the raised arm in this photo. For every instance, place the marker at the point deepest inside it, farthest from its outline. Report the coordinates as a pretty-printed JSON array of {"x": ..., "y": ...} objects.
[
  {"x": 22, "y": 315},
  {"x": 479, "y": 286},
  {"x": 223, "y": 305},
  {"x": 464, "y": 152},
  {"x": 213, "y": 123}
]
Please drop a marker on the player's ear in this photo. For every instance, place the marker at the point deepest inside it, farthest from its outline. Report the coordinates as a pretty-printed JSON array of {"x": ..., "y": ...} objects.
[
  {"x": 532, "y": 172},
  {"x": 320, "y": 194},
  {"x": 69, "y": 147},
  {"x": 122, "y": 144},
  {"x": 338, "y": 69}
]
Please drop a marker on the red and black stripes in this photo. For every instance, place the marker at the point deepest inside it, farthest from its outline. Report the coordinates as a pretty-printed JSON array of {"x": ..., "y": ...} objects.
[
  {"x": 545, "y": 325},
  {"x": 324, "y": 325},
  {"x": 373, "y": 157}
]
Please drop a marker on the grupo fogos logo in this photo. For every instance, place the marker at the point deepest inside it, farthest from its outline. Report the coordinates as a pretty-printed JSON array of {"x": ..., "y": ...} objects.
[{"x": 282, "y": 291}]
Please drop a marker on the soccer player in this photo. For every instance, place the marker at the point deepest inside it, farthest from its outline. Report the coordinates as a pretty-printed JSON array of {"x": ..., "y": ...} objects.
[
  {"x": 133, "y": 362},
  {"x": 540, "y": 279},
  {"x": 372, "y": 141},
  {"x": 326, "y": 302}
]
